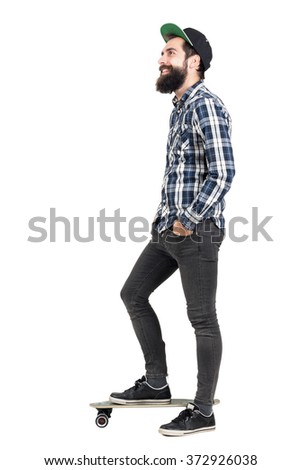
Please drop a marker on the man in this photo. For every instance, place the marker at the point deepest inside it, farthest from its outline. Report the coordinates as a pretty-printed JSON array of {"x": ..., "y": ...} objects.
[{"x": 187, "y": 231}]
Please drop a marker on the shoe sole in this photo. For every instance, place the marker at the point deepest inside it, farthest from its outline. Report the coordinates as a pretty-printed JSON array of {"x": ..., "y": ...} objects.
[
  {"x": 137, "y": 402},
  {"x": 169, "y": 432}
]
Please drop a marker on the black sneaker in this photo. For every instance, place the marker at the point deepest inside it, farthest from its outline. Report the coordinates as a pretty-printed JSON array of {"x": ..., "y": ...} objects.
[
  {"x": 142, "y": 392},
  {"x": 189, "y": 421}
]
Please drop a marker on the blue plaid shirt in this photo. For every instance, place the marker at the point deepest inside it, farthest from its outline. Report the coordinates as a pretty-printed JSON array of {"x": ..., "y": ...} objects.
[{"x": 199, "y": 165}]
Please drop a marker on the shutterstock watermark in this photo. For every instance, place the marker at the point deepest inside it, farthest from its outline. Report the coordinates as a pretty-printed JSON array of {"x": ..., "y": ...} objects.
[{"x": 57, "y": 228}]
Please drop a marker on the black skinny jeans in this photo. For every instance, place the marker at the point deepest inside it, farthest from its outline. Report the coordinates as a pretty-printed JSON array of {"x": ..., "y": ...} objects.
[{"x": 196, "y": 256}]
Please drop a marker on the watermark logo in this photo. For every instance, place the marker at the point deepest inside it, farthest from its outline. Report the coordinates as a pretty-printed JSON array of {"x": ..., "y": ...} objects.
[{"x": 105, "y": 228}]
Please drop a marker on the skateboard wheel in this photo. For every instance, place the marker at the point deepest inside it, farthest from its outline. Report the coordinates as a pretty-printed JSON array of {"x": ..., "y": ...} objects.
[{"x": 102, "y": 420}]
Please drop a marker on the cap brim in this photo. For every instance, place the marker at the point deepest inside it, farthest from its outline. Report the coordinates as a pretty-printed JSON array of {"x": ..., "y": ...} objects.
[{"x": 172, "y": 29}]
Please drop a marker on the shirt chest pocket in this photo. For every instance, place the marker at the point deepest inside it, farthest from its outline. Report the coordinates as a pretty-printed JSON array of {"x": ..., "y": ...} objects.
[
  {"x": 179, "y": 138},
  {"x": 184, "y": 144},
  {"x": 185, "y": 137}
]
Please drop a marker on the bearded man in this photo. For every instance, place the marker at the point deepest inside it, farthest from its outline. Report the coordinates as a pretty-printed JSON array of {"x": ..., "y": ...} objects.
[{"x": 187, "y": 231}]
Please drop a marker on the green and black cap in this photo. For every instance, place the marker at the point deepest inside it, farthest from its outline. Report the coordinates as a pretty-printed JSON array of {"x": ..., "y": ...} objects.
[{"x": 196, "y": 39}]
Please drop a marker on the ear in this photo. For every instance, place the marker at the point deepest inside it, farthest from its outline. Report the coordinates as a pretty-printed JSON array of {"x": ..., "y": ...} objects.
[{"x": 195, "y": 61}]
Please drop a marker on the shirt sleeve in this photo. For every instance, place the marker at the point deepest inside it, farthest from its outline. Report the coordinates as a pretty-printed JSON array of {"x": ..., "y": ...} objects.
[{"x": 213, "y": 124}]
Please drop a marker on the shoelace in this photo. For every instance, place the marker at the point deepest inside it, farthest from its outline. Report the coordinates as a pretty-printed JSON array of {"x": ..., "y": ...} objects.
[
  {"x": 185, "y": 414},
  {"x": 138, "y": 384}
]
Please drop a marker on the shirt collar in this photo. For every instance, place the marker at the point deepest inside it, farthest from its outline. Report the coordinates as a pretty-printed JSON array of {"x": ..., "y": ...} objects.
[{"x": 188, "y": 93}]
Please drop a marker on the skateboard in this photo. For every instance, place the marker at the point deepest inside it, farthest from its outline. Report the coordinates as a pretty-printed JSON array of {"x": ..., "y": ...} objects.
[{"x": 105, "y": 408}]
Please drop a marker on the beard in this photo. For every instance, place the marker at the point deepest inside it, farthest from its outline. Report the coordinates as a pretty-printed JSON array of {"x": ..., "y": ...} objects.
[{"x": 173, "y": 80}]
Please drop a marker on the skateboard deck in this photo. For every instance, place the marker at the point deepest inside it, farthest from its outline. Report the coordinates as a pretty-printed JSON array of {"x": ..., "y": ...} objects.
[{"x": 105, "y": 408}]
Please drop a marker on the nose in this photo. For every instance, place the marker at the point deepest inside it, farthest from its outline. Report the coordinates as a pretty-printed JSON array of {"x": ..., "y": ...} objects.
[{"x": 162, "y": 60}]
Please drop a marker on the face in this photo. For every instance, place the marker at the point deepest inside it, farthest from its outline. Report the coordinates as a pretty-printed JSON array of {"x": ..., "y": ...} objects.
[{"x": 173, "y": 66}]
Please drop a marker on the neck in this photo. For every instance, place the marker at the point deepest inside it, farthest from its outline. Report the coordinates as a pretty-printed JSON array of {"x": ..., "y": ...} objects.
[{"x": 187, "y": 84}]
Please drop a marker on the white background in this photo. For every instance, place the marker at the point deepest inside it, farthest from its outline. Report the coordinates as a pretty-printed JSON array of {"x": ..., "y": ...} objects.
[{"x": 84, "y": 129}]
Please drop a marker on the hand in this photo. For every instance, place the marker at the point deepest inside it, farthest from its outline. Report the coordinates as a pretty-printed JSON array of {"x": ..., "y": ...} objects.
[{"x": 179, "y": 229}]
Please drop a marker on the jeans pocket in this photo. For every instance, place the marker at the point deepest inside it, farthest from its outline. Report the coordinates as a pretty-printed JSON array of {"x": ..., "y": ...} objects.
[{"x": 171, "y": 237}]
